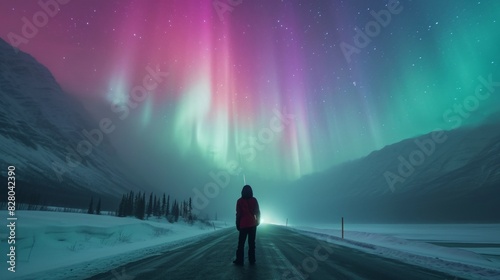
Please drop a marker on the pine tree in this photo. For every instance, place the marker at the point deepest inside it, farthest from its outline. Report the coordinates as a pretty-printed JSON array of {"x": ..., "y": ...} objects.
[
  {"x": 137, "y": 208},
  {"x": 98, "y": 208},
  {"x": 180, "y": 209},
  {"x": 158, "y": 211},
  {"x": 190, "y": 210},
  {"x": 121, "y": 208},
  {"x": 130, "y": 205},
  {"x": 140, "y": 206},
  {"x": 163, "y": 205},
  {"x": 123, "y": 205},
  {"x": 176, "y": 211},
  {"x": 91, "y": 206},
  {"x": 155, "y": 206},
  {"x": 143, "y": 205},
  {"x": 150, "y": 206},
  {"x": 173, "y": 209},
  {"x": 167, "y": 210}
]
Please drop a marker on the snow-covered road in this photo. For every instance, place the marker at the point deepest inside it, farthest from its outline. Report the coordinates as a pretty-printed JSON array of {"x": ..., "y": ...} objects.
[{"x": 281, "y": 254}]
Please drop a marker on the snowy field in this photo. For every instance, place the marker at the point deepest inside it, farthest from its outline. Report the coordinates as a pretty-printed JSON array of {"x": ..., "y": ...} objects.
[
  {"x": 56, "y": 245},
  {"x": 470, "y": 251},
  {"x": 61, "y": 245}
]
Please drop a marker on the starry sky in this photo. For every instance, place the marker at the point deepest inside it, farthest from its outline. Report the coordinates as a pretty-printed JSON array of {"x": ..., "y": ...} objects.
[{"x": 265, "y": 84}]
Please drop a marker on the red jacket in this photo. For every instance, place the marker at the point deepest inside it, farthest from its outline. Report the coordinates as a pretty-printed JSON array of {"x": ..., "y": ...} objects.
[
  {"x": 247, "y": 209},
  {"x": 247, "y": 213}
]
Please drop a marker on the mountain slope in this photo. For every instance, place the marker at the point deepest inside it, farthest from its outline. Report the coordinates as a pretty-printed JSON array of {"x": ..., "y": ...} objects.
[
  {"x": 459, "y": 181},
  {"x": 40, "y": 129}
]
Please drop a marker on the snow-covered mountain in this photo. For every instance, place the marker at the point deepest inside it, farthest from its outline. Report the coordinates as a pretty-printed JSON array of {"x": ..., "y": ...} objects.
[
  {"x": 40, "y": 129},
  {"x": 456, "y": 180}
]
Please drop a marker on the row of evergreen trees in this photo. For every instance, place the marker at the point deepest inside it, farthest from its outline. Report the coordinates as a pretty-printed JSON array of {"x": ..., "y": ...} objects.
[
  {"x": 134, "y": 205},
  {"x": 97, "y": 209}
]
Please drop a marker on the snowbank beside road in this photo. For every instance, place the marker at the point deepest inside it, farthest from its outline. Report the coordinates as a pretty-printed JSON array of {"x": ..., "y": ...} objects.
[
  {"x": 61, "y": 245},
  {"x": 455, "y": 261}
]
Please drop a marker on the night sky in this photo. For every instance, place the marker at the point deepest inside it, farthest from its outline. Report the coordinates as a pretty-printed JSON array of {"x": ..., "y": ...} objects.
[{"x": 266, "y": 83}]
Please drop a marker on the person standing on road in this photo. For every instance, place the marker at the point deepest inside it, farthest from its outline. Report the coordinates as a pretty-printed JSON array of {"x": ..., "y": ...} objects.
[{"x": 247, "y": 220}]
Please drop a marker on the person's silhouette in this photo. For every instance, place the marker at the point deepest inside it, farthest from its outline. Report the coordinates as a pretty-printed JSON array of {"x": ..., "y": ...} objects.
[{"x": 247, "y": 220}]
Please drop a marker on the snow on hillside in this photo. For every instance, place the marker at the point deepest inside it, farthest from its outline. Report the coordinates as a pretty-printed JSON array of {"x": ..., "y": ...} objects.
[
  {"x": 41, "y": 128},
  {"x": 57, "y": 245},
  {"x": 456, "y": 183},
  {"x": 411, "y": 244}
]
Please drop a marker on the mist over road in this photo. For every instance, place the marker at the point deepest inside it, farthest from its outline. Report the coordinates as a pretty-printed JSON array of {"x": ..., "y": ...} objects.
[{"x": 281, "y": 254}]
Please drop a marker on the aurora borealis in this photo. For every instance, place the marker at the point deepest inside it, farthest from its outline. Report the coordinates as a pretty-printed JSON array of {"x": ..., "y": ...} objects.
[{"x": 269, "y": 86}]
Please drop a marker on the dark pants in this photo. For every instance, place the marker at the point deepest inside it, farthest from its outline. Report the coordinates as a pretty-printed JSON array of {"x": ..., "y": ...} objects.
[{"x": 251, "y": 244}]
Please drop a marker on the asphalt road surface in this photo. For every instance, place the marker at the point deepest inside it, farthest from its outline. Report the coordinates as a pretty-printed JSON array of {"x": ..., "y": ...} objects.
[{"x": 280, "y": 253}]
